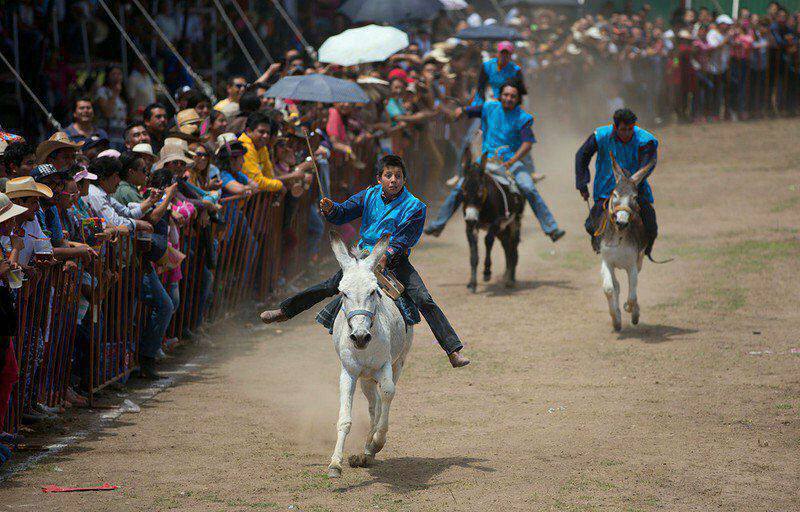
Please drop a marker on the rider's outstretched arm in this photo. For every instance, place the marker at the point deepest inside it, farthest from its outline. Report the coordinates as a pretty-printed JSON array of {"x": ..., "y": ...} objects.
[{"x": 348, "y": 211}]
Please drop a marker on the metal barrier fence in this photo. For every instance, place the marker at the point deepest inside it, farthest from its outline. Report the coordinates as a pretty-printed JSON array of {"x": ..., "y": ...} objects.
[
  {"x": 663, "y": 87},
  {"x": 87, "y": 322}
]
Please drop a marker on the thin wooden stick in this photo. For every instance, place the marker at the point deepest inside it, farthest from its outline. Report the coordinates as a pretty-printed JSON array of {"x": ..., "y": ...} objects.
[{"x": 314, "y": 161}]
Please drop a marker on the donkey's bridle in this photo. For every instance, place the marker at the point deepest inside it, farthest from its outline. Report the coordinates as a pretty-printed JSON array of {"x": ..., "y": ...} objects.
[
  {"x": 610, "y": 212},
  {"x": 361, "y": 312}
]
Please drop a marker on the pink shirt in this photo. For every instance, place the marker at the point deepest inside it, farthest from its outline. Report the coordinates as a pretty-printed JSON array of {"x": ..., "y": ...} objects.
[{"x": 335, "y": 126}]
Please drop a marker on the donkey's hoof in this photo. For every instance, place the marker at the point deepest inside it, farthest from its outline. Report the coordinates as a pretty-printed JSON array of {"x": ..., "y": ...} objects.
[
  {"x": 487, "y": 276},
  {"x": 334, "y": 472},
  {"x": 361, "y": 460},
  {"x": 635, "y": 318},
  {"x": 617, "y": 325},
  {"x": 473, "y": 287},
  {"x": 510, "y": 284}
]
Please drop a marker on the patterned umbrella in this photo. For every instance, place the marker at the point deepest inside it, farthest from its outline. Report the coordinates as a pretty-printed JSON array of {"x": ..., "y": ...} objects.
[{"x": 321, "y": 88}]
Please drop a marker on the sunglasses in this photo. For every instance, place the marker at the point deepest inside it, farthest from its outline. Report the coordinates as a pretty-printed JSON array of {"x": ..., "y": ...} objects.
[
  {"x": 240, "y": 86},
  {"x": 201, "y": 154}
]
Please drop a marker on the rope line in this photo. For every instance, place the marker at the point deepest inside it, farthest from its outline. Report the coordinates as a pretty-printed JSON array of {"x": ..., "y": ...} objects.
[
  {"x": 138, "y": 53},
  {"x": 199, "y": 79},
  {"x": 293, "y": 27},
  {"x": 47, "y": 113},
  {"x": 253, "y": 32},
  {"x": 236, "y": 37}
]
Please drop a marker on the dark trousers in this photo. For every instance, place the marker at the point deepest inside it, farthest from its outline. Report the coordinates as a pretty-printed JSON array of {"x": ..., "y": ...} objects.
[
  {"x": 415, "y": 289},
  {"x": 646, "y": 212}
]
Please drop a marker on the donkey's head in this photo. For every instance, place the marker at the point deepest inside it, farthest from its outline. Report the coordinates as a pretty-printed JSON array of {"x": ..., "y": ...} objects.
[
  {"x": 623, "y": 204},
  {"x": 359, "y": 287},
  {"x": 474, "y": 188}
]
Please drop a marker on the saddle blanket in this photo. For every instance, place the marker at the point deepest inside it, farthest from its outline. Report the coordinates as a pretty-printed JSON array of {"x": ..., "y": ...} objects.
[
  {"x": 499, "y": 175},
  {"x": 407, "y": 308}
]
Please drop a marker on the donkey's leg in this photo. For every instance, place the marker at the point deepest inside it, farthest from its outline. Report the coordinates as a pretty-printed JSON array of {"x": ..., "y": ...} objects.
[
  {"x": 386, "y": 383},
  {"x": 370, "y": 389},
  {"x": 347, "y": 386},
  {"x": 513, "y": 236},
  {"x": 632, "y": 306},
  {"x": 472, "y": 238},
  {"x": 611, "y": 289},
  {"x": 505, "y": 239},
  {"x": 489, "y": 241}
]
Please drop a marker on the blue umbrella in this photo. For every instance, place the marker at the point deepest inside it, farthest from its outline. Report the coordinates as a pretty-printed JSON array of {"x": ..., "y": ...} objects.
[
  {"x": 320, "y": 88},
  {"x": 390, "y": 11},
  {"x": 493, "y": 32}
]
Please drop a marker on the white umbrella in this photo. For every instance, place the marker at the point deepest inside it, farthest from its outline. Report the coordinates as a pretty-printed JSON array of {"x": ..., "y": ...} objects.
[
  {"x": 453, "y": 5},
  {"x": 372, "y": 43}
]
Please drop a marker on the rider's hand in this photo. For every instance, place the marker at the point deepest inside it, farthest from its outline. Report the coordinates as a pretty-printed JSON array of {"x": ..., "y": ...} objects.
[
  {"x": 326, "y": 206},
  {"x": 585, "y": 194}
]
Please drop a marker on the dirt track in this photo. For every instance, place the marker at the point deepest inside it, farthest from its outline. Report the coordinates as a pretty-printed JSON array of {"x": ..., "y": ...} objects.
[{"x": 556, "y": 412}]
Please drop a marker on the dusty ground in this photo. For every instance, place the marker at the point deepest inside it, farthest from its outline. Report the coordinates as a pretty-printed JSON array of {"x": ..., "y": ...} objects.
[{"x": 556, "y": 412}]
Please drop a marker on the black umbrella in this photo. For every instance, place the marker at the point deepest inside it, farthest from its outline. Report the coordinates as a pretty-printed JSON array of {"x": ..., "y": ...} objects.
[
  {"x": 493, "y": 32},
  {"x": 544, "y": 3},
  {"x": 390, "y": 11},
  {"x": 321, "y": 88}
]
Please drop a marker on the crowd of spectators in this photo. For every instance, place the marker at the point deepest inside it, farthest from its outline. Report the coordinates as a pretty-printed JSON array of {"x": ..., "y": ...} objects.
[
  {"x": 128, "y": 164},
  {"x": 699, "y": 65}
]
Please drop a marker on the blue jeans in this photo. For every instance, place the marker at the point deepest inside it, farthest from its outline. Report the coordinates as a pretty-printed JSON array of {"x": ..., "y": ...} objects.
[
  {"x": 158, "y": 318},
  {"x": 521, "y": 171}
]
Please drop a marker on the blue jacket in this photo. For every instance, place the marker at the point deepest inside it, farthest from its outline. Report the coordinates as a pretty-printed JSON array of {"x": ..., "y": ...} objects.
[
  {"x": 501, "y": 127},
  {"x": 631, "y": 156},
  {"x": 403, "y": 217},
  {"x": 495, "y": 78}
]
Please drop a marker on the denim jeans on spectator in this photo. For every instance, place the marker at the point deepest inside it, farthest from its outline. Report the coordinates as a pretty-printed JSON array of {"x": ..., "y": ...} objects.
[
  {"x": 159, "y": 316},
  {"x": 206, "y": 292},
  {"x": 738, "y": 86},
  {"x": 174, "y": 291}
]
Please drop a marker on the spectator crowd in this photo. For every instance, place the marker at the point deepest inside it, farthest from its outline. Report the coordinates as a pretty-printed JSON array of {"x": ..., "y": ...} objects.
[{"x": 142, "y": 218}]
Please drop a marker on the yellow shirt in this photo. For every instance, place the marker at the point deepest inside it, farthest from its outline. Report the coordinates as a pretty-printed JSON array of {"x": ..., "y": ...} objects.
[{"x": 258, "y": 166}]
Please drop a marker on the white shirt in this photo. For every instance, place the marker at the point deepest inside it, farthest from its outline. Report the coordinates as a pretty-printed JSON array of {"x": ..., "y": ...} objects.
[
  {"x": 114, "y": 213},
  {"x": 32, "y": 231},
  {"x": 141, "y": 90},
  {"x": 474, "y": 20}
]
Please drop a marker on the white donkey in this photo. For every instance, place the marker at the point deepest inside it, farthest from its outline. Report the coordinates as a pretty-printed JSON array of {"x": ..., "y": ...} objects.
[
  {"x": 372, "y": 341},
  {"x": 623, "y": 241}
]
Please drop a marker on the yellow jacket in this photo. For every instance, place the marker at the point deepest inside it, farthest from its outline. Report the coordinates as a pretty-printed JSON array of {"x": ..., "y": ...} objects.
[{"x": 258, "y": 167}]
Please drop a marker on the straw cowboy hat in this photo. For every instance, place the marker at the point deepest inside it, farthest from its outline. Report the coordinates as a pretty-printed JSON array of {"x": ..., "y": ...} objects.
[
  {"x": 181, "y": 143},
  {"x": 188, "y": 121},
  {"x": 172, "y": 153},
  {"x": 58, "y": 140},
  {"x": 8, "y": 209},
  {"x": 26, "y": 186}
]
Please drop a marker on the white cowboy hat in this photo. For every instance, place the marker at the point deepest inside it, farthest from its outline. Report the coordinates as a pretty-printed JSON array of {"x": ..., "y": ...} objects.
[
  {"x": 144, "y": 149},
  {"x": 8, "y": 209}
]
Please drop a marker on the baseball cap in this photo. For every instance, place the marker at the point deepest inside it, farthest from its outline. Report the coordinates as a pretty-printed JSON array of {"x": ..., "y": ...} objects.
[
  {"x": 45, "y": 170},
  {"x": 399, "y": 73},
  {"x": 505, "y": 46}
]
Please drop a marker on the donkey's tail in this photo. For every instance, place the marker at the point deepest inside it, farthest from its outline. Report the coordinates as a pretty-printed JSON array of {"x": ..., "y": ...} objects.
[{"x": 658, "y": 262}]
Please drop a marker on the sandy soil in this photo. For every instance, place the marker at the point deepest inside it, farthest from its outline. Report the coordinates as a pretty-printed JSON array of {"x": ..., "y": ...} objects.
[{"x": 687, "y": 411}]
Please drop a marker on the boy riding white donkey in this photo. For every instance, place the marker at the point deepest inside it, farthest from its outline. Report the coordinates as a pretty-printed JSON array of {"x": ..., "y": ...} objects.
[{"x": 392, "y": 223}]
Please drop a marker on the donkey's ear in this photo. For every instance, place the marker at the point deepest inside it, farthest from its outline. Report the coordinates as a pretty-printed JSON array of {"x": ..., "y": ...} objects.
[
  {"x": 343, "y": 256},
  {"x": 466, "y": 158},
  {"x": 619, "y": 173},
  {"x": 644, "y": 172},
  {"x": 378, "y": 251}
]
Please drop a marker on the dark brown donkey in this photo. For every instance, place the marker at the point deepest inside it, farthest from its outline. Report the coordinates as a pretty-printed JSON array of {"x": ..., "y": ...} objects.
[{"x": 493, "y": 206}]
